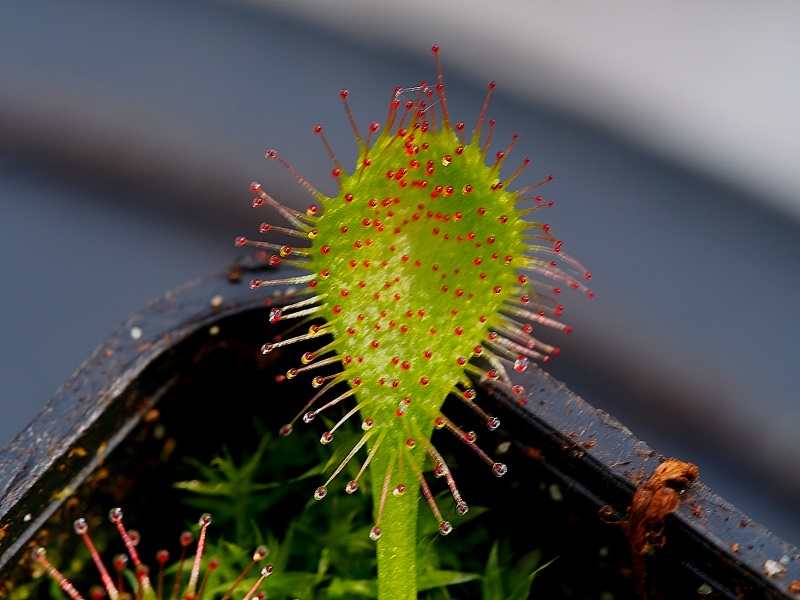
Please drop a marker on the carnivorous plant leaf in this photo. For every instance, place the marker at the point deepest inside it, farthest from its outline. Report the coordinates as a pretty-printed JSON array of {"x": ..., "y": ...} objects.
[{"x": 425, "y": 277}]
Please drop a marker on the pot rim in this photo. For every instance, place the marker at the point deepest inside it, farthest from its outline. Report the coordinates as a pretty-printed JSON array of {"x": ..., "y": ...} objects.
[{"x": 586, "y": 448}]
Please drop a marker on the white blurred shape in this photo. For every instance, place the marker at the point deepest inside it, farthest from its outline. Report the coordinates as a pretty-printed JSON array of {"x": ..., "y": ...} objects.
[{"x": 713, "y": 85}]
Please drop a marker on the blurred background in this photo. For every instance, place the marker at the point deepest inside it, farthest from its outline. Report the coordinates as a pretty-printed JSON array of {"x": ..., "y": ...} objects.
[{"x": 130, "y": 131}]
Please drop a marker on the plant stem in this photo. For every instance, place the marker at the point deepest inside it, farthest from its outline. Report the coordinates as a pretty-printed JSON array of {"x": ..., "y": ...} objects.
[{"x": 397, "y": 546}]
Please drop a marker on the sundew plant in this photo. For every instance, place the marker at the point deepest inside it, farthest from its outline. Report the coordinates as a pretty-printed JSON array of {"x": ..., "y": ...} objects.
[
  {"x": 423, "y": 277},
  {"x": 129, "y": 572}
]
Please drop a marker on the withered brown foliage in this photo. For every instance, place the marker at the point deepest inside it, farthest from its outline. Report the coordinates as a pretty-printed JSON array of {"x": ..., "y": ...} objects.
[
  {"x": 658, "y": 497},
  {"x": 652, "y": 502}
]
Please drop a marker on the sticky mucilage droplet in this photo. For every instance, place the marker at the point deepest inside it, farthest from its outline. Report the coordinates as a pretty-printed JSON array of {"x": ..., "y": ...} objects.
[{"x": 499, "y": 469}]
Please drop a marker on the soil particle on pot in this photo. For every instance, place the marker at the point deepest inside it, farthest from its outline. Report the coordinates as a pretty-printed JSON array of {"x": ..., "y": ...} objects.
[{"x": 774, "y": 569}]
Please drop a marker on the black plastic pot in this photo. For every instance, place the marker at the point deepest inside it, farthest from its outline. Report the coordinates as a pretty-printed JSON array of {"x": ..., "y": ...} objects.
[{"x": 189, "y": 366}]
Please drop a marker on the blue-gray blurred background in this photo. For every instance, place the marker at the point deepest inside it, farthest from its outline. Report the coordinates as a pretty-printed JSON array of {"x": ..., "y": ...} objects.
[{"x": 130, "y": 131}]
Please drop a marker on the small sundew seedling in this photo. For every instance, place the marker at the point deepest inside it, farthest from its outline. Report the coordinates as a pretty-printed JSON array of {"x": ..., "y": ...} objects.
[
  {"x": 146, "y": 588},
  {"x": 429, "y": 280}
]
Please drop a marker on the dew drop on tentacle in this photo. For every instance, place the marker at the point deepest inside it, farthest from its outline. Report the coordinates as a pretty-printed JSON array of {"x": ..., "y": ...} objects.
[
  {"x": 326, "y": 438},
  {"x": 39, "y": 554},
  {"x": 462, "y": 508},
  {"x": 80, "y": 526},
  {"x": 499, "y": 469},
  {"x": 120, "y": 561},
  {"x": 351, "y": 487},
  {"x": 309, "y": 416},
  {"x": 445, "y": 527},
  {"x": 375, "y": 533},
  {"x": 115, "y": 515},
  {"x": 186, "y": 538},
  {"x": 320, "y": 492},
  {"x": 399, "y": 490},
  {"x": 134, "y": 536}
]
